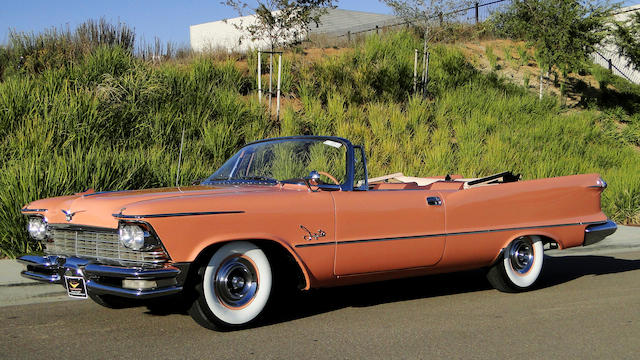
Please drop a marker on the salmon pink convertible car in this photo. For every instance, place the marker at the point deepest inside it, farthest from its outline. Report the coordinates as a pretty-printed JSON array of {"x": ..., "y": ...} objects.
[{"x": 302, "y": 211}]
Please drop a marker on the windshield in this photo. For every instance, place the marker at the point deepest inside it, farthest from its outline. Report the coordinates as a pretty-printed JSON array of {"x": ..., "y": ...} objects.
[{"x": 284, "y": 160}]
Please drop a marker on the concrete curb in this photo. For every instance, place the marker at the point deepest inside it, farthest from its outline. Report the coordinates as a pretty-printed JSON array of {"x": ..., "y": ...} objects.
[
  {"x": 17, "y": 290},
  {"x": 10, "y": 274}
]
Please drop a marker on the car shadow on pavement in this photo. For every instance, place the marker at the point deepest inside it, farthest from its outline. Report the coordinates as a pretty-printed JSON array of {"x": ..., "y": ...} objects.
[
  {"x": 561, "y": 269},
  {"x": 557, "y": 270}
]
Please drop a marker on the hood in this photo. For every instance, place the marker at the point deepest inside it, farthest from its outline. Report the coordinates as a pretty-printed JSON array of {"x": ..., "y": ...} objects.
[{"x": 97, "y": 208}]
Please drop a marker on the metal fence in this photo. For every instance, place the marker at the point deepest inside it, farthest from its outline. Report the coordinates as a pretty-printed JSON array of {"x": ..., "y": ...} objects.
[
  {"x": 472, "y": 14},
  {"x": 616, "y": 64},
  {"x": 607, "y": 54}
]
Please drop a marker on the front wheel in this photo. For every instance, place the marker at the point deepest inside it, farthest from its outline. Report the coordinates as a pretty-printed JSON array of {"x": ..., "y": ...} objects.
[
  {"x": 234, "y": 287},
  {"x": 520, "y": 265}
]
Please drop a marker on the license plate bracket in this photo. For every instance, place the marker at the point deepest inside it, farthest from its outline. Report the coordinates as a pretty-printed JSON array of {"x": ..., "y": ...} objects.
[{"x": 76, "y": 287}]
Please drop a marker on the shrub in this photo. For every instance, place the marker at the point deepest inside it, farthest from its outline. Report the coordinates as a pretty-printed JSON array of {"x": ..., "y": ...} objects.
[{"x": 113, "y": 121}]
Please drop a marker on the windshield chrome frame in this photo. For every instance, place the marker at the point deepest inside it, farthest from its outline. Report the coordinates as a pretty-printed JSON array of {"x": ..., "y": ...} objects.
[{"x": 348, "y": 183}]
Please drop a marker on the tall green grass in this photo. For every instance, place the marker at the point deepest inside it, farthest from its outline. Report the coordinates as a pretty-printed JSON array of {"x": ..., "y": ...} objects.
[{"x": 109, "y": 120}]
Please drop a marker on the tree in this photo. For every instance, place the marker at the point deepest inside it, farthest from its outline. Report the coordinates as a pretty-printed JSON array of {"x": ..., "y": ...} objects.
[
  {"x": 279, "y": 21},
  {"x": 563, "y": 32},
  {"x": 627, "y": 39},
  {"x": 425, "y": 14}
]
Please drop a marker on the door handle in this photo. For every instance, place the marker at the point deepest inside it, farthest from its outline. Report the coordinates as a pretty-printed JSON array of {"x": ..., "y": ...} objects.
[{"x": 434, "y": 200}]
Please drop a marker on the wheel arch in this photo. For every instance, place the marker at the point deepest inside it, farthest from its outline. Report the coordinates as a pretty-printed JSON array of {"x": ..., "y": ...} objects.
[
  {"x": 545, "y": 237},
  {"x": 278, "y": 252}
]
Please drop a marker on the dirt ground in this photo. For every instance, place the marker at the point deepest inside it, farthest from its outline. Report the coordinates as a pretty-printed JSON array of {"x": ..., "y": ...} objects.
[{"x": 476, "y": 53}]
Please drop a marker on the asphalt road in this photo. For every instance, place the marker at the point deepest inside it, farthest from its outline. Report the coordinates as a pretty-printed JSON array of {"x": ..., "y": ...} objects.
[{"x": 586, "y": 306}]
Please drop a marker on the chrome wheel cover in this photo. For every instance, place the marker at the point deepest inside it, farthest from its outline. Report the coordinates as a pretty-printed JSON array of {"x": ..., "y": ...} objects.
[
  {"x": 521, "y": 255},
  {"x": 236, "y": 282}
]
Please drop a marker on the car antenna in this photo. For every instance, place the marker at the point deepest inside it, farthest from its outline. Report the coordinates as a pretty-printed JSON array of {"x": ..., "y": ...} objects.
[{"x": 180, "y": 156}]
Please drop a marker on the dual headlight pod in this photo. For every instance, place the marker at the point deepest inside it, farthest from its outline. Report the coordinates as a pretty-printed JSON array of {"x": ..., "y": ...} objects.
[
  {"x": 136, "y": 237},
  {"x": 37, "y": 228}
]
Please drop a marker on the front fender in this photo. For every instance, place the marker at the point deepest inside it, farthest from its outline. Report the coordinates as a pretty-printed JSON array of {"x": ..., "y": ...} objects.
[{"x": 217, "y": 240}]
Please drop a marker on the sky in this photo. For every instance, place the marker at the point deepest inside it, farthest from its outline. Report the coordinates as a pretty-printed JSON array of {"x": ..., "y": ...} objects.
[{"x": 169, "y": 20}]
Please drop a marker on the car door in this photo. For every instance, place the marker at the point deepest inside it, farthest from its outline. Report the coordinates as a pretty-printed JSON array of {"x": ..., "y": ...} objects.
[{"x": 386, "y": 230}]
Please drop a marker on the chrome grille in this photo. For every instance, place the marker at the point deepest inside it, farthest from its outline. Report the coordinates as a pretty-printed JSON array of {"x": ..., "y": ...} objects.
[{"x": 100, "y": 245}]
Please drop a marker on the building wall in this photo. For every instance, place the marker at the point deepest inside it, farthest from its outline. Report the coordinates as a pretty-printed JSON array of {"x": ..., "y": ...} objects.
[{"x": 224, "y": 34}]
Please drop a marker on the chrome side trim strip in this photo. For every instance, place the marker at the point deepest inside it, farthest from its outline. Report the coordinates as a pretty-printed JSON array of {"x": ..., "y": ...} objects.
[
  {"x": 446, "y": 234},
  {"x": 32, "y": 210},
  {"x": 315, "y": 244},
  {"x": 122, "y": 216},
  {"x": 524, "y": 228}
]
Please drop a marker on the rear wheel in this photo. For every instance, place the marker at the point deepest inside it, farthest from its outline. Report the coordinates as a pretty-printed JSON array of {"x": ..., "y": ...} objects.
[
  {"x": 234, "y": 287},
  {"x": 520, "y": 265}
]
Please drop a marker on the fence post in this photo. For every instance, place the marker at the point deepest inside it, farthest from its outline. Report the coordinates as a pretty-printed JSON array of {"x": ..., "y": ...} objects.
[
  {"x": 270, "y": 78},
  {"x": 610, "y": 65},
  {"x": 477, "y": 13},
  {"x": 259, "y": 77},
  {"x": 349, "y": 36},
  {"x": 279, "y": 77},
  {"x": 441, "y": 17},
  {"x": 377, "y": 30}
]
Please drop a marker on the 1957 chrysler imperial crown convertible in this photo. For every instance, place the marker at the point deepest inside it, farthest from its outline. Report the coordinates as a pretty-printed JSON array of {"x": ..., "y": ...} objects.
[{"x": 301, "y": 210}]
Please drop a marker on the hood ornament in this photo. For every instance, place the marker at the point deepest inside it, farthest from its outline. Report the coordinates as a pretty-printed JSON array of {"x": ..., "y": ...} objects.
[{"x": 69, "y": 215}]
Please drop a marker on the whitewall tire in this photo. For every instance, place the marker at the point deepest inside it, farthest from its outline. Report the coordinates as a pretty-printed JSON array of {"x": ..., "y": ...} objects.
[
  {"x": 235, "y": 287},
  {"x": 520, "y": 265}
]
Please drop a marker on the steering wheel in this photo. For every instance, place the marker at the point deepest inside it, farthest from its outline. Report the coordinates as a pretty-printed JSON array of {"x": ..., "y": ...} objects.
[{"x": 329, "y": 176}]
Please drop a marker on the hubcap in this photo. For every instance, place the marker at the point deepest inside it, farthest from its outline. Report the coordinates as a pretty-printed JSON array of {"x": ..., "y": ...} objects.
[
  {"x": 521, "y": 255},
  {"x": 236, "y": 282}
]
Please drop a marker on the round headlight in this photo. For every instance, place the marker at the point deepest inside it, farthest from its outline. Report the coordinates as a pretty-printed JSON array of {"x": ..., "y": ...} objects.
[
  {"x": 132, "y": 236},
  {"x": 37, "y": 228}
]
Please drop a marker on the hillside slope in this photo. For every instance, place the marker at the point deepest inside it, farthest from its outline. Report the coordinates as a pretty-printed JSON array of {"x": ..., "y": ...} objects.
[{"x": 111, "y": 121}]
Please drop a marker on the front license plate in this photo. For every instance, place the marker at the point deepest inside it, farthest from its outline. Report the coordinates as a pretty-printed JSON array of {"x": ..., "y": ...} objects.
[{"x": 76, "y": 287}]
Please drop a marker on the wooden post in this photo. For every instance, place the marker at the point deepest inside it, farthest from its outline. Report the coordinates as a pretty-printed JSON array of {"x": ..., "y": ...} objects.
[
  {"x": 477, "y": 13},
  {"x": 377, "y": 30},
  {"x": 278, "y": 96},
  {"x": 349, "y": 36},
  {"x": 259, "y": 77},
  {"x": 441, "y": 17},
  {"x": 610, "y": 65},
  {"x": 415, "y": 72}
]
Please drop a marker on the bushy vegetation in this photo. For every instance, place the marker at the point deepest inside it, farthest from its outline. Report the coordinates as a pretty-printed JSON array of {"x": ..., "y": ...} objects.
[{"x": 108, "y": 120}]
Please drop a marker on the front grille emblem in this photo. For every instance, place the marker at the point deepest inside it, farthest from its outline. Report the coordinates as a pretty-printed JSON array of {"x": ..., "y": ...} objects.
[{"x": 68, "y": 214}]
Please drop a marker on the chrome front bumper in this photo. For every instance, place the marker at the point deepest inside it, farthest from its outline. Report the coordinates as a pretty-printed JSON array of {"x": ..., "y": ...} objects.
[
  {"x": 597, "y": 232},
  {"x": 104, "y": 279}
]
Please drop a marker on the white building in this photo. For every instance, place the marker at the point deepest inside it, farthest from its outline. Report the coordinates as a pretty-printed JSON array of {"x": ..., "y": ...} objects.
[
  {"x": 224, "y": 34},
  {"x": 609, "y": 51}
]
